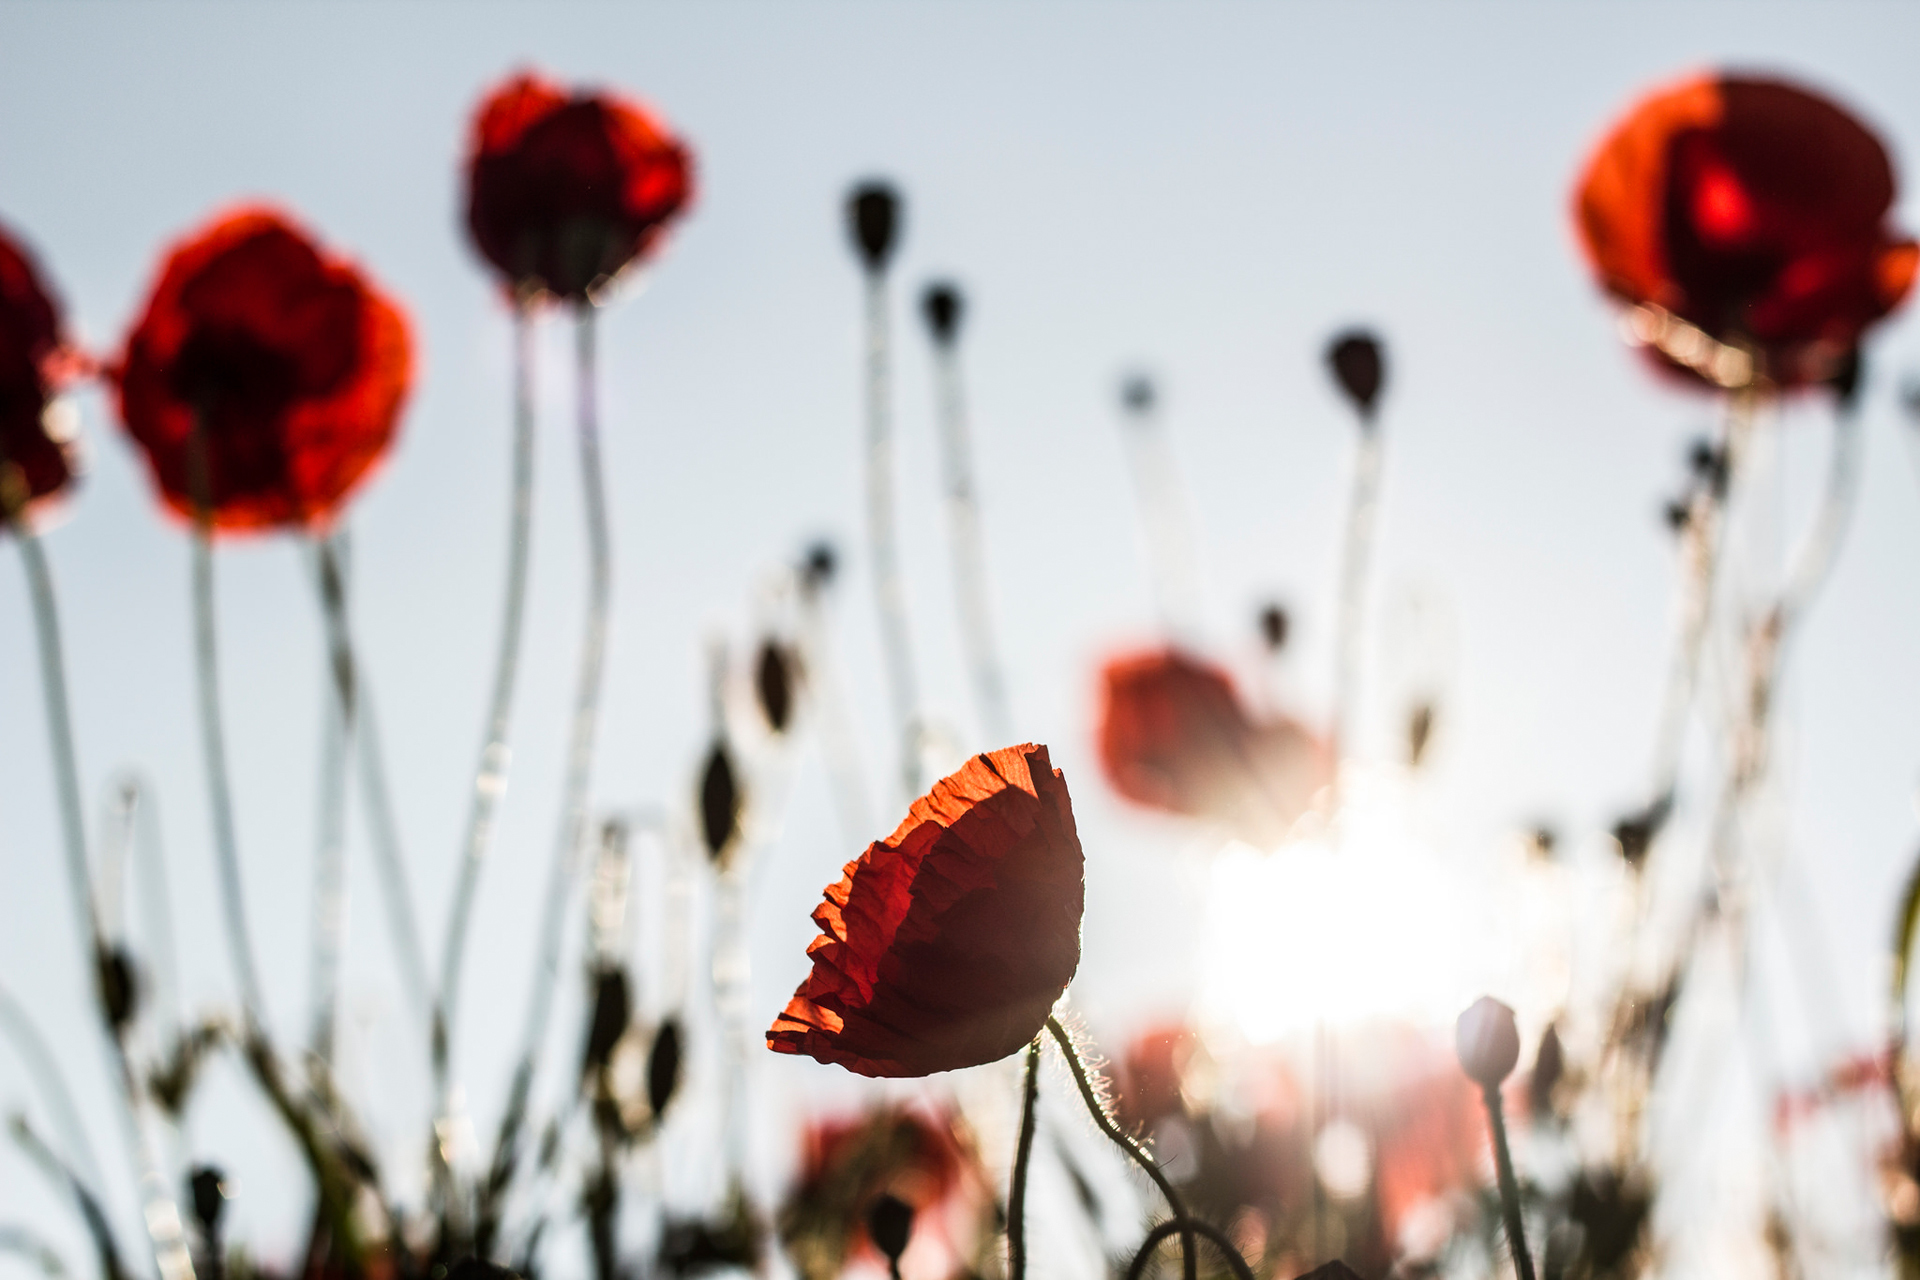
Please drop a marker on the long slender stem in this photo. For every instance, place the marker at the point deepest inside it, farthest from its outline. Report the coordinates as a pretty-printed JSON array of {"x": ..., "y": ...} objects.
[
  {"x": 330, "y": 854},
  {"x": 969, "y": 547},
  {"x": 490, "y": 778},
  {"x": 1120, "y": 1138},
  {"x": 51, "y": 1082},
  {"x": 1356, "y": 557},
  {"x": 1509, "y": 1186},
  {"x": 889, "y": 587},
  {"x": 1022, "y": 1157},
  {"x": 1172, "y": 563},
  {"x": 837, "y": 742},
  {"x": 573, "y": 811},
  {"x": 403, "y": 921}
]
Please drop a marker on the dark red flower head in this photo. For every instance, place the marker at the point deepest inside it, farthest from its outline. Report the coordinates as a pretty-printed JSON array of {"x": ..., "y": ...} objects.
[
  {"x": 34, "y": 464},
  {"x": 1173, "y": 735},
  {"x": 293, "y": 365},
  {"x": 946, "y": 944},
  {"x": 1754, "y": 211},
  {"x": 565, "y": 190}
]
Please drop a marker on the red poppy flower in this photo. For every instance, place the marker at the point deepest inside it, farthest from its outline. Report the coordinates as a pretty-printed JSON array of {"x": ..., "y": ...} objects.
[
  {"x": 31, "y": 458},
  {"x": 1173, "y": 735},
  {"x": 1752, "y": 210},
  {"x": 291, "y": 362},
  {"x": 946, "y": 944},
  {"x": 563, "y": 191},
  {"x": 1150, "y": 1076}
]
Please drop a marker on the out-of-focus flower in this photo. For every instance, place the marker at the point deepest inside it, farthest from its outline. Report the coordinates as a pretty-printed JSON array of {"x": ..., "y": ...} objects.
[
  {"x": 264, "y": 378},
  {"x": 1752, "y": 212},
  {"x": 946, "y": 945},
  {"x": 35, "y": 463},
  {"x": 1150, "y": 1076},
  {"x": 920, "y": 1159},
  {"x": 564, "y": 191},
  {"x": 1173, "y": 735}
]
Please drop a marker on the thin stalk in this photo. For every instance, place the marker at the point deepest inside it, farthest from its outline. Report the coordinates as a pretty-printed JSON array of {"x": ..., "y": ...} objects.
[
  {"x": 330, "y": 854},
  {"x": 1172, "y": 563},
  {"x": 1022, "y": 1157},
  {"x": 1190, "y": 1258},
  {"x": 889, "y": 587},
  {"x": 490, "y": 778},
  {"x": 51, "y": 1082},
  {"x": 968, "y": 546},
  {"x": 403, "y": 921},
  {"x": 837, "y": 741},
  {"x": 1509, "y": 1186},
  {"x": 1356, "y": 557},
  {"x": 573, "y": 810}
]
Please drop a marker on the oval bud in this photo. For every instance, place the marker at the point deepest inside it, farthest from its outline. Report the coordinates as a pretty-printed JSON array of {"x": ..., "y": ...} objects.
[
  {"x": 1488, "y": 1041},
  {"x": 873, "y": 217}
]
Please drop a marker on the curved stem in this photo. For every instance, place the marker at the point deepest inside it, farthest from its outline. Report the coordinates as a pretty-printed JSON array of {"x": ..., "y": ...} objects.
[
  {"x": 969, "y": 547},
  {"x": 889, "y": 588},
  {"x": 490, "y": 778},
  {"x": 1174, "y": 1226},
  {"x": 51, "y": 1082},
  {"x": 573, "y": 811},
  {"x": 1356, "y": 555},
  {"x": 1509, "y": 1185},
  {"x": 1022, "y": 1157},
  {"x": 1137, "y": 1153}
]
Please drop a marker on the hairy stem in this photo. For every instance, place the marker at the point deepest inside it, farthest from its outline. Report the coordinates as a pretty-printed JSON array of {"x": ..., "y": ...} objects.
[
  {"x": 1022, "y": 1157},
  {"x": 330, "y": 854},
  {"x": 1509, "y": 1186}
]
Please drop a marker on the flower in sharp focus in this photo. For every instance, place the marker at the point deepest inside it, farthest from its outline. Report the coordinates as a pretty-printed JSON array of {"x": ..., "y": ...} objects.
[
  {"x": 1752, "y": 212},
  {"x": 1173, "y": 735},
  {"x": 565, "y": 190},
  {"x": 264, "y": 379},
  {"x": 947, "y": 944},
  {"x": 35, "y": 463}
]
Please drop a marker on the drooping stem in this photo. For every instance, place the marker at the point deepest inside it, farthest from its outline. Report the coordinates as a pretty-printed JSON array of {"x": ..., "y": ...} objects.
[
  {"x": 1120, "y": 1138},
  {"x": 1174, "y": 1226},
  {"x": 1509, "y": 1186},
  {"x": 330, "y": 853},
  {"x": 573, "y": 811},
  {"x": 1022, "y": 1157},
  {"x": 1356, "y": 558},
  {"x": 490, "y": 778},
  {"x": 889, "y": 587},
  {"x": 969, "y": 546}
]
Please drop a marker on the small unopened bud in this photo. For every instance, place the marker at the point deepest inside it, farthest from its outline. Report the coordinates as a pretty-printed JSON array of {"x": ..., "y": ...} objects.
[
  {"x": 612, "y": 1010},
  {"x": 1275, "y": 627},
  {"x": 773, "y": 674},
  {"x": 873, "y": 216},
  {"x": 119, "y": 985},
  {"x": 1549, "y": 1065},
  {"x": 818, "y": 565},
  {"x": 1359, "y": 365},
  {"x": 1488, "y": 1042},
  {"x": 890, "y": 1226},
  {"x": 663, "y": 1067},
  {"x": 209, "y": 1195},
  {"x": 719, "y": 802},
  {"x": 943, "y": 308}
]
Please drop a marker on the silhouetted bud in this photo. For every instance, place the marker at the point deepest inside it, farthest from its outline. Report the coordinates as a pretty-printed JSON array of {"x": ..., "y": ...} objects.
[
  {"x": 818, "y": 565},
  {"x": 1274, "y": 626},
  {"x": 119, "y": 985},
  {"x": 1360, "y": 367},
  {"x": 1137, "y": 393},
  {"x": 1677, "y": 514},
  {"x": 1488, "y": 1042},
  {"x": 663, "y": 1066},
  {"x": 1549, "y": 1064},
  {"x": 873, "y": 216},
  {"x": 890, "y": 1226},
  {"x": 471, "y": 1268},
  {"x": 773, "y": 680},
  {"x": 1635, "y": 832},
  {"x": 1709, "y": 466},
  {"x": 612, "y": 1010},
  {"x": 719, "y": 801},
  {"x": 208, "y": 1191},
  {"x": 1419, "y": 732},
  {"x": 943, "y": 308},
  {"x": 1542, "y": 840},
  {"x": 1335, "y": 1270},
  {"x": 1846, "y": 378}
]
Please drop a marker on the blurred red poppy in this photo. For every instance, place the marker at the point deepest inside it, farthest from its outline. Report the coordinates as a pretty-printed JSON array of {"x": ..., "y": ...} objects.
[
  {"x": 565, "y": 190},
  {"x": 947, "y": 944},
  {"x": 290, "y": 362},
  {"x": 1150, "y": 1074},
  {"x": 1173, "y": 735},
  {"x": 34, "y": 463},
  {"x": 1754, "y": 211}
]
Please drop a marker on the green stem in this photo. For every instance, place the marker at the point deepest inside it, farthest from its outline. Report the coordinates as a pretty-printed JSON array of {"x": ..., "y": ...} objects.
[
  {"x": 1509, "y": 1186},
  {"x": 1023, "y": 1156}
]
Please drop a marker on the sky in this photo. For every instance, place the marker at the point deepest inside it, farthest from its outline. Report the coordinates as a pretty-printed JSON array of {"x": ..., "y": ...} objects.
[{"x": 1203, "y": 190}]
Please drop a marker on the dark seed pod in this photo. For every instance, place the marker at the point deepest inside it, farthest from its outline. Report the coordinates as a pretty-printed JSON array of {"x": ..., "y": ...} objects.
[
  {"x": 1335, "y": 1270},
  {"x": 1677, "y": 514},
  {"x": 890, "y": 1226},
  {"x": 663, "y": 1067},
  {"x": 1419, "y": 733},
  {"x": 612, "y": 1011},
  {"x": 943, "y": 308},
  {"x": 818, "y": 565},
  {"x": 1635, "y": 832},
  {"x": 1138, "y": 394},
  {"x": 207, "y": 1189},
  {"x": 873, "y": 217},
  {"x": 1542, "y": 840},
  {"x": 1549, "y": 1064},
  {"x": 773, "y": 681},
  {"x": 1846, "y": 378},
  {"x": 719, "y": 802},
  {"x": 119, "y": 985},
  {"x": 1359, "y": 365},
  {"x": 1275, "y": 626}
]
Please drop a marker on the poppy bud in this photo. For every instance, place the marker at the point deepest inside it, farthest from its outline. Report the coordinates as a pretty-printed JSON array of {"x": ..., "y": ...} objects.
[
  {"x": 1360, "y": 367},
  {"x": 1419, "y": 733},
  {"x": 612, "y": 1010},
  {"x": 1335, "y": 1270},
  {"x": 719, "y": 801},
  {"x": 1137, "y": 393},
  {"x": 1549, "y": 1064},
  {"x": 1845, "y": 379},
  {"x": 209, "y": 1195},
  {"x": 119, "y": 985},
  {"x": 1635, "y": 832},
  {"x": 873, "y": 216},
  {"x": 943, "y": 308},
  {"x": 663, "y": 1066},
  {"x": 818, "y": 565},
  {"x": 1488, "y": 1042},
  {"x": 890, "y": 1226},
  {"x": 1677, "y": 514},
  {"x": 1274, "y": 625},
  {"x": 773, "y": 682}
]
